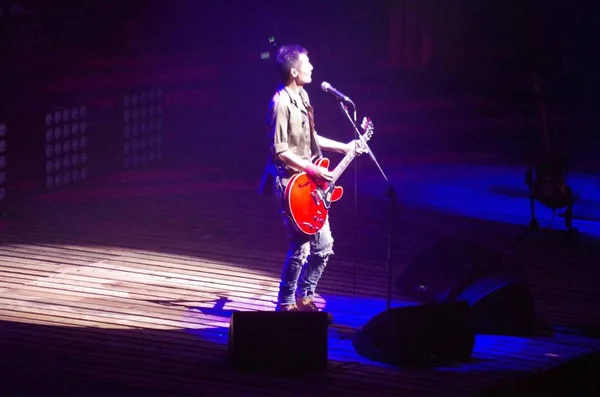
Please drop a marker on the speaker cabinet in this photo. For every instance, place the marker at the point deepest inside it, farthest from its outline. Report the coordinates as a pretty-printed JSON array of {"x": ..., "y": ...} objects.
[
  {"x": 441, "y": 272},
  {"x": 452, "y": 269},
  {"x": 420, "y": 335},
  {"x": 279, "y": 342},
  {"x": 502, "y": 305}
]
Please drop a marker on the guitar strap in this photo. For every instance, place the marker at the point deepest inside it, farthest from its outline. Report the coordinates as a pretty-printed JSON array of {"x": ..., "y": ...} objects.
[{"x": 315, "y": 149}]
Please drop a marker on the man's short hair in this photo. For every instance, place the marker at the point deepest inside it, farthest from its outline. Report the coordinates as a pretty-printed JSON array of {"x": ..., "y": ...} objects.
[{"x": 287, "y": 58}]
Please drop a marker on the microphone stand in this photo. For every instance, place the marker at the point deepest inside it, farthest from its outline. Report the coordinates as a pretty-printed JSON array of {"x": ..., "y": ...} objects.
[{"x": 391, "y": 194}]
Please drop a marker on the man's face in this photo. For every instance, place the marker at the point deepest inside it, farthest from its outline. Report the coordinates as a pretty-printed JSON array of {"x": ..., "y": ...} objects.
[{"x": 303, "y": 73}]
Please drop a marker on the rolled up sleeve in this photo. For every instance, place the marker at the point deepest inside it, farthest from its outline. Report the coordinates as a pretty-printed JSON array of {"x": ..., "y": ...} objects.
[{"x": 279, "y": 124}]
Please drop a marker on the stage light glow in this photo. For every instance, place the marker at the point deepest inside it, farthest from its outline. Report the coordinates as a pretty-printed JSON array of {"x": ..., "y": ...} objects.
[{"x": 77, "y": 287}]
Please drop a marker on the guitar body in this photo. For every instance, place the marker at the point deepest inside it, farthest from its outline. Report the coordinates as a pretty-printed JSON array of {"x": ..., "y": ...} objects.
[{"x": 307, "y": 201}]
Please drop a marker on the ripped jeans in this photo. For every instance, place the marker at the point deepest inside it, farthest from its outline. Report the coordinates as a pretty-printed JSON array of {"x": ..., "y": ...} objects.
[{"x": 306, "y": 258}]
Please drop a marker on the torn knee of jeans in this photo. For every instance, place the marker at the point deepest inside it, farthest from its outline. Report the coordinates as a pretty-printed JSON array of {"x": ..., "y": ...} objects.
[
  {"x": 302, "y": 253},
  {"x": 325, "y": 252}
]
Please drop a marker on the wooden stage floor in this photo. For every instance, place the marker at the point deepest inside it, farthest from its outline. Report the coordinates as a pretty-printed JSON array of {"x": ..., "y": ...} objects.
[{"x": 125, "y": 287}]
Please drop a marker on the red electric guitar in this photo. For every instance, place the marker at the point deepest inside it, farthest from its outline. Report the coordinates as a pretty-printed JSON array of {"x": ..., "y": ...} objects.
[{"x": 308, "y": 201}]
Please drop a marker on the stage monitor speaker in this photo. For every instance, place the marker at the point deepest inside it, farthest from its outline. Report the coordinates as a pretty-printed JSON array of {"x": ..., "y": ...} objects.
[
  {"x": 500, "y": 299},
  {"x": 421, "y": 335},
  {"x": 501, "y": 305},
  {"x": 441, "y": 272},
  {"x": 279, "y": 342}
]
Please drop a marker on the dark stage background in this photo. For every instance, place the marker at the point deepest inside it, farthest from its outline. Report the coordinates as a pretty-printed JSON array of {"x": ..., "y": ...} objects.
[{"x": 439, "y": 77}]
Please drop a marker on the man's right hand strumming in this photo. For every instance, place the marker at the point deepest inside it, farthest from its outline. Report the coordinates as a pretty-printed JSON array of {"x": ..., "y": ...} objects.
[{"x": 322, "y": 173}]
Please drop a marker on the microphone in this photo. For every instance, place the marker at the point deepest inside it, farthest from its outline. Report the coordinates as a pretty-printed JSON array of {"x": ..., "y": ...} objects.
[{"x": 328, "y": 88}]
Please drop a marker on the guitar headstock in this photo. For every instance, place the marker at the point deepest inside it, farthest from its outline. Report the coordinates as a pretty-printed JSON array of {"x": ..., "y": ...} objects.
[{"x": 368, "y": 128}]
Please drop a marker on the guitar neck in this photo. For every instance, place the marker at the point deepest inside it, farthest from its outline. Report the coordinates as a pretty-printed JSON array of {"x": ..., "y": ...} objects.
[
  {"x": 341, "y": 167},
  {"x": 543, "y": 114}
]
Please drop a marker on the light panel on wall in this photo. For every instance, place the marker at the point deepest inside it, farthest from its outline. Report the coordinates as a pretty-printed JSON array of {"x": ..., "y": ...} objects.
[
  {"x": 3, "y": 160},
  {"x": 66, "y": 146},
  {"x": 142, "y": 127}
]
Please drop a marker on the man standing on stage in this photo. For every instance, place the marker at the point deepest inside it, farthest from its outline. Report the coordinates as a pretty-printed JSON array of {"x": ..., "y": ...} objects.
[{"x": 294, "y": 146}]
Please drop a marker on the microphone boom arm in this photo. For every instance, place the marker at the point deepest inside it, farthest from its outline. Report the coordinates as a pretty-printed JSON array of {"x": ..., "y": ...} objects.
[
  {"x": 391, "y": 194},
  {"x": 358, "y": 134}
]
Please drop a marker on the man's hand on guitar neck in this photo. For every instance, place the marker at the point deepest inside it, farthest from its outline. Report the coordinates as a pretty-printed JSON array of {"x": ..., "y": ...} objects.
[
  {"x": 317, "y": 172},
  {"x": 356, "y": 144}
]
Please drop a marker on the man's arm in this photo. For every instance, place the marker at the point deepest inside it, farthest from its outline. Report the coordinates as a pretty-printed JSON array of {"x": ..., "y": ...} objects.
[
  {"x": 333, "y": 146},
  {"x": 292, "y": 159}
]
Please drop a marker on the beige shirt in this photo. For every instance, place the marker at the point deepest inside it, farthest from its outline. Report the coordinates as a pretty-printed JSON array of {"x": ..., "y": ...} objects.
[{"x": 291, "y": 127}]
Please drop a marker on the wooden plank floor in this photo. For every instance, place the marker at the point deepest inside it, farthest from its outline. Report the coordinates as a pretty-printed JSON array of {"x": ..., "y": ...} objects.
[{"x": 126, "y": 287}]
